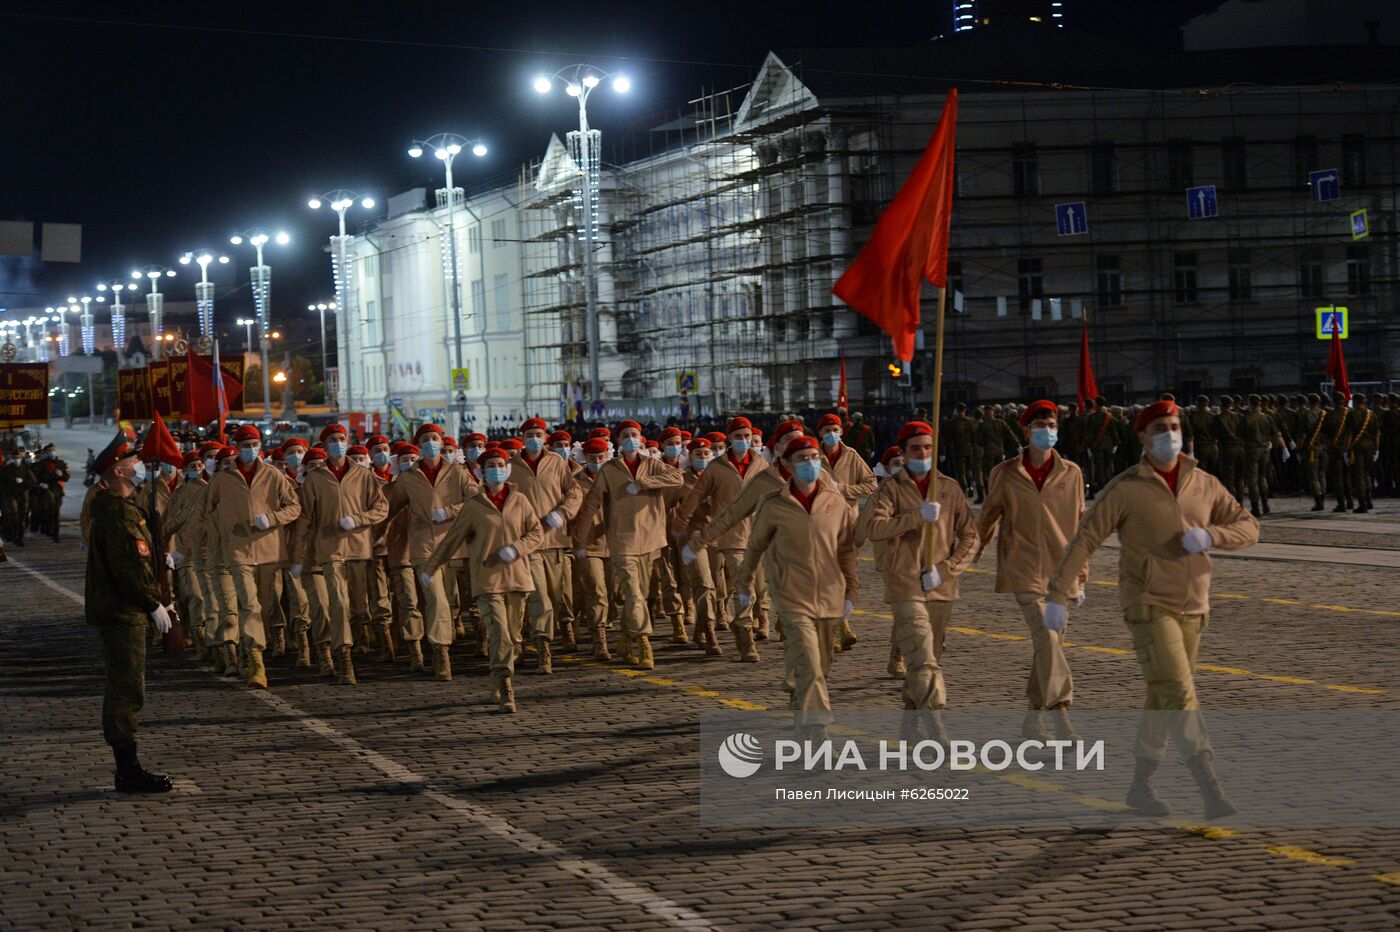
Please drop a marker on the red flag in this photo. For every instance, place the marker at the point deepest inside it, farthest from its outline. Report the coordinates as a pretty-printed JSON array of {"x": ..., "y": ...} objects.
[
  {"x": 159, "y": 445},
  {"x": 1336, "y": 364},
  {"x": 910, "y": 242},
  {"x": 842, "y": 401},
  {"x": 207, "y": 389},
  {"x": 1088, "y": 388}
]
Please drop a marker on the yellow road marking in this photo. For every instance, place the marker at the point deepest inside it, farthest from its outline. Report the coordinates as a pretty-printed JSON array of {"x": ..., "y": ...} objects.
[
  {"x": 1391, "y": 878},
  {"x": 1295, "y": 853}
]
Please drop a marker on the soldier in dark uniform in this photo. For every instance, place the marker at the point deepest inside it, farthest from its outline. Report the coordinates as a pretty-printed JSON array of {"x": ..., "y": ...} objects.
[
  {"x": 960, "y": 446},
  {"x": 1365, "y": 433},
  {"x": 16, "y": 482},
  {"x": 1206, "y": 449},
  {"x": 121, "y": 597},
  {"x": 1312, "y": 452},
  {"x": 860, "y": 437},
  {"x": 50, "y": 473},
  {"x": 1259, "y": 433},
  {"x": 1337, "y": 440},
  {"x": 1227, "y": 430},
  {"x": 990, "y": 445},
  {"x": 1101, "y": 437}
]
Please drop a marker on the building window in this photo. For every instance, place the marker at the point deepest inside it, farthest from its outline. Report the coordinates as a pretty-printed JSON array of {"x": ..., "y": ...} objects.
[
  {"x": 1355, "y": 168},
  {"x": 1029, "y": 283},
  {"x": 1235, "y": 172},
  {"x": 955, "y": 280},
  {"x": 1103, "y": 168},
  {"x": 1110, "y": 281},
  {"x": 1181, "y": 172},
  {"x": 1312, "y": 278},
  {"x": 1025, "y": 170},
  {"x": 1358, "y": 271},
  {"x": 477, "y": 318},
  {"x": 498, "y": 234},
  {"x": 1304, "y": 157},
  {"x": 474, "y": 239},
  {"x": 1241, "y": 276},
  {"x": 501, "y": 286},
  {"x": 371, "y": 265},
  {"x": 1184, "y": 268}
]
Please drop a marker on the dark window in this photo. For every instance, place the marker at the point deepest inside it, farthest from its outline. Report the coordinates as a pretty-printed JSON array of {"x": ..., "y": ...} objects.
[
  {"x": 1304, "y": 157},
  {"x": 1184, "y": 267},
  {"x": 1181, "y": 172},
  {"x": 1312, "y": 279},
  {"x": 1103, "y": 168},
  {"x": 1110, "y": 281},
  {"x": 1355, "y": 168},
  {"x": 1358, "y": 271},
  {"x": 1114, "y": 391},
  {"x": 1029, "y": 283},
  {"x": 1025, "y": 169},
  {"x": 1241, "y": 276},
  {"x": 1036, "y": 388},
  {"x": 955, "y": 278},
  {"x": 1236, "y": 165},
  {"x": 1189, "y": 389}
]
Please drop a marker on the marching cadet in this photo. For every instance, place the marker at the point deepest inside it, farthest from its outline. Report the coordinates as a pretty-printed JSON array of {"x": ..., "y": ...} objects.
[
  {"x": 247, "y": 508},
  {"x": 342, "y": 503},
  {"x": 1259, "y": 433},
  {"x": 1037, "y": 500},
  {"x": 856, "y": 482},
  {"x": 929, "y": 536},
  {"x": 547, "y": 482},
  {"x": 1313, "y": 450},
  {"x": 16, "y": 482},
  {"x": 293, "y": 452},
  {"x": 46, "y": 500},
  {"x": 308, "y": 571},
  {"x": 700, "y": 574},
  {"x": 672, "y": 597},
  {"x": 630, "y": 489},
  {"x": 381, "y": 580},
  {"x": 961, "y": 443},
  {"x": 590, "y": 541},
  {"x": 1203, "y": 445},
  {"x": 1228, "y": 429},
  {"x": 1364, "y": 430},
  {"x": 221, "y": 615},
  {"x": 1167, "y": 514},
  {"x": 184, "y": 532},
  {"x": 1102, "y": 435},
  {"x": 427, "y": 497},
  {"x": 500, "y": 529},
  {"x": 120, "y": 599},
  {"x": 399, "y": 564},
  {"x": 808, "y": 523},
  {"x": 1337, "y": 439}
]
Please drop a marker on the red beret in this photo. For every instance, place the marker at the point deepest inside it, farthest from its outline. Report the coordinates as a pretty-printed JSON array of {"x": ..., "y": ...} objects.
[
  {"x": 596, "y": 445},
  {"x": 787, "y": 427},
  {"x": 738, "y": 423},
  {"x": 1038, "y": 409},
  {"x": 534, "y": 423},
  {"x": 315, "y": 455},
  {"x": 829, "y": 420},
  {"x": 667, "y": 433},
  {"x": 358, "y": 449},
  {"x": 890, "y": 454},
  {"x": 623, "y": 425},
  {"x": 801, "y": 443},
  {"x": 699, "y": 443},
  {"x": 404, "y": 448},
  {"x": 426, "y": 429},
  {"x": 449, "y": 442},
  {"x": 511, "y": 443},
  {"x": 210, "y": 446},
  {"x": 376, "y": 440},
  {"x": 247, "y": 432},
  {"x": 758, "y": 433},
  {"x": 561, "y": 436},
  {"x": 1153, "y": 411},
  {"x": 277, "y": 455},
  {"x": 715, "y": 436},
  {"x": 686, "y": 435},
  {"x": 193, "y": 458},
  {"x": 333, "y": 429},
  {"x": 494, "y": 453},
  {"x": 226, "y": 452},
  {"x": 652, "y": 444},
  {"x": 474, "y": 438},
  {"x": 602, "y": 432},
  {"x": 294, "y": 442},
  {"x": 915, "y": 429}
]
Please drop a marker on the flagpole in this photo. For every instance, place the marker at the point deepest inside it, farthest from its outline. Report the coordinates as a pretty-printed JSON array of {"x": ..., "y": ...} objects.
[{"x": 936, "y": 409}]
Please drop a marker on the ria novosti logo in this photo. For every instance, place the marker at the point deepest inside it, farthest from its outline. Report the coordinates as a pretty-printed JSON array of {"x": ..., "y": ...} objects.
[{"x": 740, "y": 755}]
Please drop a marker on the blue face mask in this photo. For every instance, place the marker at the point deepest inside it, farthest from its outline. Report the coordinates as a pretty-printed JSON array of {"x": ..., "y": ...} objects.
[
  {"x": 831, "y": 438},
  {"x": 1043, "y": 438},
  {"x": 739, "y": 447},
  {"x": 533, "y": 445},
  {"x": 497, "y": 475},
  {"x": 294, "y": 460},
  {"x": 336, "y": 448},
  {"x": 698, "y": 464},
  {"x": 562, "y": 451},
  {"x": 431, "y": 448},
  {"x": 594, "y": 467},
  {"x": 473, "y": 453},
  {"x": 380, "y": 458},
  {"x": 808, "y": 470},
  {"x": 138, "y": 472},
  {"x": 247, "y": 455},
  {"x": 630, "y": 444},
  {"x": 918, "y": 467}
]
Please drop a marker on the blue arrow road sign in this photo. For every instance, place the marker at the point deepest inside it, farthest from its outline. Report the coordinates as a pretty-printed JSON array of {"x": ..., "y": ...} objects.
[
  {"x": 1200, "y": 202},
  {"x": 1071, "y": 219},
  {"x": 1326, "y": 184}
]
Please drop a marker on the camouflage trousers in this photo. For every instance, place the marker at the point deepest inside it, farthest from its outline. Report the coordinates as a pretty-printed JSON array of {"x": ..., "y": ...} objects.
[{"x": 124, "y": 656}]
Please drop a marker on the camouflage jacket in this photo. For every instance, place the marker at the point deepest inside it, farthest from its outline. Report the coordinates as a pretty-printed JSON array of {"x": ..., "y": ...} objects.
[{"x": 121, "y": 580}]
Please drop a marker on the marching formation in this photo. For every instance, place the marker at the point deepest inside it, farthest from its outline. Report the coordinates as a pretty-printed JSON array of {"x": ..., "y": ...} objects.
[{"x": 31, "y": 493}]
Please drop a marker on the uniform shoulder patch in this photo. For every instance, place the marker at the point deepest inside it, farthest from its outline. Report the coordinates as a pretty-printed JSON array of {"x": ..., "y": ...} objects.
[{"x": 143, "y": 548}]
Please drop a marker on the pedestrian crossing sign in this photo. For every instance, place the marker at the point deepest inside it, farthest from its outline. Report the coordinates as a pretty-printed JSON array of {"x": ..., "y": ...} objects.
[
  {"x": 1329, "y": 319},
  {"x": 685, "y": 382},
  {"x": 461, "y": 379}
]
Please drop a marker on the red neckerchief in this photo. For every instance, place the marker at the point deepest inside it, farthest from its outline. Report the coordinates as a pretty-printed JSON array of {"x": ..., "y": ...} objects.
[
  {"x": 784, "y": 471},
  {"x": 430, "y": 472},
  {"x": 247, "y": 474},
  {"x": 499, "y": 500},
  {"x": 534, "y": 466},
  {"x": 805, "y": 500},
  {"x": 741, "y": 465},
  {"x": 633, "y": 466},
  {"x": 922, "y": 484},
  {"x": 171, "y": 482},
  {"x": 1170, "y": 476},
  {"x": 833, "y": 457},
  {"x": 339, "y": 472},
  {"x": 1040, "y": 474},
  {"x": 386, "y": 475}
]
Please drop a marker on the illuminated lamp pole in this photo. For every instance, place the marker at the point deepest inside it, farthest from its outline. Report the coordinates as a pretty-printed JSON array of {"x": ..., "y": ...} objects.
[
  {"x": 262, "y": 295},
  {"x": 204, "y": 291},
  {"x": 341, "y": 201},
  {"x": 116, "y": 287},
  {"x": 155, "y": 302}
]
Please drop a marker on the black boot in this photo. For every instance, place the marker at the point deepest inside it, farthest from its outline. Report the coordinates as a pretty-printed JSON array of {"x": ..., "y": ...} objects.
[
  {"x": 131, "y": 778},
  {"x": 1342, "y": 507},
  {"x": 1254, "y": 509},
  {"x": 1217, "y": 804},
  {"x": 1265, "y": 507},
  {"x": 1318, "y": 504}
]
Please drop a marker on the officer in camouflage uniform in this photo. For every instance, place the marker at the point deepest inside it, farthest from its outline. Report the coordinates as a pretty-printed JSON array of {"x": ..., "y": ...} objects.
[
  {"x": 1101, "y": 435},
  {"x": 992, "y": 434},
  {"x": 1365, "y": 432},
  {"x": 1259, "y": 432},
  {"x": 1312, "y": 451},
  {"x": 961, "y": 436},
  {"x": 1337, "y": 440},
  {"x": 120, "y": 598},
  {"x": 46, "y": 500},
  {"x": 1227, "y": 430},
  {"x": 1206, "y": 449}
]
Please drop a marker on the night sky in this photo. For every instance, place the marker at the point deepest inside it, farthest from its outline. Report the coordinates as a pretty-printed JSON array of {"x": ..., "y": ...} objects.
[{"x": 164, "y": 127}]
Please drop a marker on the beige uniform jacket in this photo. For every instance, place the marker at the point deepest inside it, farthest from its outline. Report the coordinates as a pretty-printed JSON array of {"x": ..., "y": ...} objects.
[
  {"x": 357, "y": 494},
  {"x": 857, "y": 481},
  {"x": 550, "y": 486},
  {"x": 897, "y": 519},
  {"x": 716, "y": 489},
  {"x": 636, "y": 523},
  {"x": 381, "y": 530},
  {"x": 815, "y": 570},
  {"x": 412, "y": 498},
  {"x": 1036, "y": 524},
  {"x": 484, "y": 530},
  {"x": 184, "y": 519},
  {"x": 232, "y": 502},
  {"x": 1153, "y": 567},
  {"x": 589, "y": 535}
]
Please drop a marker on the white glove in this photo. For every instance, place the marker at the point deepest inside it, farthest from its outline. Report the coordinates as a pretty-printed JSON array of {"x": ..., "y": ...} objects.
[
  {"x": 508, "y": 554},
  {"x": 850, "y": 607},
  {"x": 161, "y": 616},
  {"x": 1197, "y": 540},
  {"x": 262, "y": 522},
  {"x": 295, "y": 570},
  {"x": 930, "y": 579},
  {"x": 347, "y": 523},
  {"x": 1079, "y": 599},
  {"x": 632, "y": 488},
  {"x": 580, "y": 553},
  {"x": 1286, "y": 454},
  {"x": 1376, "y": 456},
  {"x": 1056, "y": 617},
  {"x": 178, "y": 558},
  {"x": 930, "y": 511},
  {"x": 438, "y": 515},
  {"x": 744, "y": 600},
  {"x": 1346, "y": 458},
  {"x": 425, "y": 580},
  {"x": 554, "y": 519},
  {"x": 1292, "y": 445},
  {"x": 19, "y": 481},
  {"x": 170, "y": 561},
  {"x": 688, "y": 556}
]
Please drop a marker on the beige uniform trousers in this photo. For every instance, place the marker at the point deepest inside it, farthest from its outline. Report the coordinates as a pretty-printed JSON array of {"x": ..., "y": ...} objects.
[
  {"x": 381, "y": 604},
  {"x": 503, "y": 614},
  {"x": 551, "y": 601},
  {"x": 410, "y": 616},
  {"x": 259, "y": 592},
  {"x": 670, "y": 583},
  {"x": 700, "y": 584},
  {"x": 190, "y": 589},
  {"x": 920, "y": 630},
  {"x": 298, "y": 609},
  {"x": 592, "y": 575},
  {"x": 807, "y": 652},
  {"x": 347, "y": 587},
  {"x": 1166, "y": 644},
  {"x": 221, "y": 616},
  {"x": 632, "y": 577},
  {"x": 724, "y": 589},
  {"x": 438, "y": 606},
  {"x": 1049, "y": 685},
  {"x": 318, "y": 601}
]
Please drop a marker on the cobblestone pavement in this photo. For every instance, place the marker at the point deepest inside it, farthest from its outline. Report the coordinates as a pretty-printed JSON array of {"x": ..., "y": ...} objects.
[{"x": 405, "y": 803}]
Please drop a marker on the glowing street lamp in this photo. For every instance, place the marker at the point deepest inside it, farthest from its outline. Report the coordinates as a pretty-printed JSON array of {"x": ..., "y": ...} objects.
[
  {"x": 115, "y": 287},
  {"x": 321, "y": 307},
  {"x": 247, "y": 324},
  {"x": 155, "y": 301},
  {"x": 340, "y": 201},
  {"x": 204, "y": 288},
  {"x": 262, "y": 297}
]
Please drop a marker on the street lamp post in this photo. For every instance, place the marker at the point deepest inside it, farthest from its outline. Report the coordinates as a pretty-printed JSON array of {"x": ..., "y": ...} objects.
[
  {"x": 321, "y": 308},
  {"x": 262, "y": 289},
  {"x": 446, "y": 147},
  {"x": 56, "y": 313},
  {"x": 116, "y": 287},
  {"x": 155, "y": 302},
  {"x": 204, "y": 289},
  {"x": 341, "y": 201},
  {"x": 247, "y": 324},
  {"x": 579, "y": 81}
]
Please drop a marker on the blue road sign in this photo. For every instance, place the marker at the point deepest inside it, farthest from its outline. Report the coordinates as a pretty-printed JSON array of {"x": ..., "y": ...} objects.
[
  {"x": 1326, "y": 184},
  {"x": 1360, "y": 226},
  {"x": 1071, "y": 219},
  {"x": 1200, "y": 202}
]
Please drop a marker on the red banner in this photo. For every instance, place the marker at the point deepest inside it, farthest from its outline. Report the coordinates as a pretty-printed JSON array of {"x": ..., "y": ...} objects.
[
  {"x": 24, "y": 393},
  {"x": 232, "y": 368},
  {"x": 141, "y": 405},
  {"x": 126, "y": 393},
  {"x": 179, "y": 396},
  {"x": 160, "y": 387}
]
